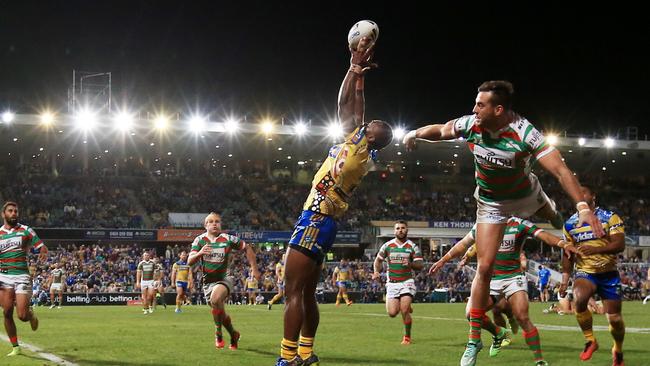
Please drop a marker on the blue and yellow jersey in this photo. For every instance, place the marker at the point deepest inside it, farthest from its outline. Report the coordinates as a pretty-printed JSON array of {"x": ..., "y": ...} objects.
[
  {"x": 346, "y": 164},
  {"x": 343, "y": 273},
  {"x": 580, "y": 236},
  {"x": 251, "y": 283},
  {"x": 182, "y": 271},
  {"x": 279, "y": 271}
]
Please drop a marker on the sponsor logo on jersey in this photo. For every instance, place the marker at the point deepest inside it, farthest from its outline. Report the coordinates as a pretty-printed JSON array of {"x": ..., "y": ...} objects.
[{"x": 494, "y": 157}]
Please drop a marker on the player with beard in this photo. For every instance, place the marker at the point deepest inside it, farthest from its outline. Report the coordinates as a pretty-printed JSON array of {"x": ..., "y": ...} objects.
[
  {"x": 16, "y": 240},
  {"x": 505, "y": 145},
  {"x": 402, "y": 256}
]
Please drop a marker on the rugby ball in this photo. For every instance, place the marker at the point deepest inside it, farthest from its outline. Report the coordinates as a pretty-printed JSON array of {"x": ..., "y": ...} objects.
[{"x": 362, "y": 28}]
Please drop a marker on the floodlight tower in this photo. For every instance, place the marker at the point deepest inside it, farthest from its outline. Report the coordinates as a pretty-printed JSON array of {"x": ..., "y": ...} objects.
[{"x": 93, "y": 89}]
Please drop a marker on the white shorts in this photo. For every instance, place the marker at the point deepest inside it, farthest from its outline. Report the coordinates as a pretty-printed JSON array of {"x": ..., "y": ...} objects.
[
  {"x": 508, "y": 286},
  {"x": 22, "y": 284},
  {"x": 146, "y": 284},
  {"x": 56, "y": 287},
  {"x": 499, "y": 212},
  {"x": 397, "y": 289},
  {"x": 208, "y": 287}
]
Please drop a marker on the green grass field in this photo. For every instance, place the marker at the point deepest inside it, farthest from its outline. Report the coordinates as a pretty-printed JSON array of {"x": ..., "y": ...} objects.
[{"x": 361, "y": 334}]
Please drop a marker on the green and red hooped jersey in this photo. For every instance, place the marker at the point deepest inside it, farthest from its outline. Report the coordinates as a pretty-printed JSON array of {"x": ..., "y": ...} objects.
[{"x": 503, "y": 159}]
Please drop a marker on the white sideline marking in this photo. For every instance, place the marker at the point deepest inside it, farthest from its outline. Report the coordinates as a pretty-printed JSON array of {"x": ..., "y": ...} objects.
[{"x": 44, "y": 355}]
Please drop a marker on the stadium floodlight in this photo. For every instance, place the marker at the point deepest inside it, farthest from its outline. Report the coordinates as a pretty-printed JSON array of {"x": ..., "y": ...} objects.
[
  {"x": 398, "y": 133},
  {"x": 300, "y": 128},
  {"x": 231, "y": 125},
  {"x": 582, "y": 141},
  {"x": 47, "y": 118},
  {"x": 161, "y": 122},
  {"x": 609, "y": 142},
  {"x": 335, "y": 130},
  {"x": 552, "y": 139},
  {"x": 267, "y": 126},
  {"x": 197, "y": 124},
  {"x": 123, "y": 121},
  {"x": 8, "y": 116},
  {"x": 85, "y": 119}
]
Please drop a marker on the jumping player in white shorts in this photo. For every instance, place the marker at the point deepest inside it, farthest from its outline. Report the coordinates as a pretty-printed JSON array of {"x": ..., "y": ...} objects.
[
  {"x": 508, "y": 279},
  {"x": 504, "y": 146}
]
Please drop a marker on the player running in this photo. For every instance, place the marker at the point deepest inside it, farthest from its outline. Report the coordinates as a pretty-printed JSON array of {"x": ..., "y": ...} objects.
[
  {"x": 212, "y": 251},
  {"x": 16, "y": 241},
  {"x": 596, "y": 273},
  {"x": 56, "y": 283},
  {"x": 508, "y": 280},
  {"x": 182, "y": 278},
  {"x": 403, "y": 257},
  {"x": 341, "y": 278},
  {"x": 315, "y": 231},
  {"x": 144, "y": 281},
  {"x": 504, "y": 145},
  {"x": 279, "y": 275}
]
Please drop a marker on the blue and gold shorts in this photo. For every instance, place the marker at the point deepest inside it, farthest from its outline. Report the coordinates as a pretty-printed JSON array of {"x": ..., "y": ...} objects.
[
  {"x": 313, "y": 235},
  {"x": 608, "y": 284}
]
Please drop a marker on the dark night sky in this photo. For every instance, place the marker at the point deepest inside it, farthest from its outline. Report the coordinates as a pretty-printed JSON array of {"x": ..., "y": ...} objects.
[{"x": 580, "y": 70}]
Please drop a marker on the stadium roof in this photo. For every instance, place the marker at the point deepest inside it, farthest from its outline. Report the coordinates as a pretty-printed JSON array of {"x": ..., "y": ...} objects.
[{"x": 29, "y": 136}]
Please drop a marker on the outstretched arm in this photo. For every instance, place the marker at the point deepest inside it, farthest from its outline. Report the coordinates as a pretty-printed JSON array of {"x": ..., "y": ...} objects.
[
  {"x": 552, "y": 163},
  {"x": 351, "y": 100},
  {"x": 435, "y": 132},
  {"x": 556, "y": 241},
  {"x": 456, "y": 251}
]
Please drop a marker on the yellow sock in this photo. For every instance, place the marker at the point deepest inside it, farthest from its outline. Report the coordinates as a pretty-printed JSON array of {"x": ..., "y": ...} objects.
[
  {"x": 586, "y": 324},
  {"x": 617, "y": 330},
  {"x": 345, "y": 297},
  {"x": 288, "y": 349},
  {"x": 274, "y": 299},
  {"x": 305, "y": 347}
]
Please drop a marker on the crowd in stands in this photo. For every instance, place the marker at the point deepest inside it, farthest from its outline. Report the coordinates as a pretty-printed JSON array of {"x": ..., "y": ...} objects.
[
  {"x": 112, "y": 268},
  {"x": 250, "y": 199}
]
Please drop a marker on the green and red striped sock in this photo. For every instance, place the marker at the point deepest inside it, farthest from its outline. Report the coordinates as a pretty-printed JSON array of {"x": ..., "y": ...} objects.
[
  {"x": 533, "y": 342},
  {"x": 475, "y": 320},
  {"x": 407, "y": 327},
  {"x": 217, "y": 315}
]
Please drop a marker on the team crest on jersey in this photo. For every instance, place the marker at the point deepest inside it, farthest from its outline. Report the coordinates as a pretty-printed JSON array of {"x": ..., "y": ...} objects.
[
  {"x": 513, "y": 146},
  {"x": 334, "y": 150}
]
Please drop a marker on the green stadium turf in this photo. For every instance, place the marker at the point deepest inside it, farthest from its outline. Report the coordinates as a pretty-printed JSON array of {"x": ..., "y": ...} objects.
[{"x": 356, "y": 335}]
